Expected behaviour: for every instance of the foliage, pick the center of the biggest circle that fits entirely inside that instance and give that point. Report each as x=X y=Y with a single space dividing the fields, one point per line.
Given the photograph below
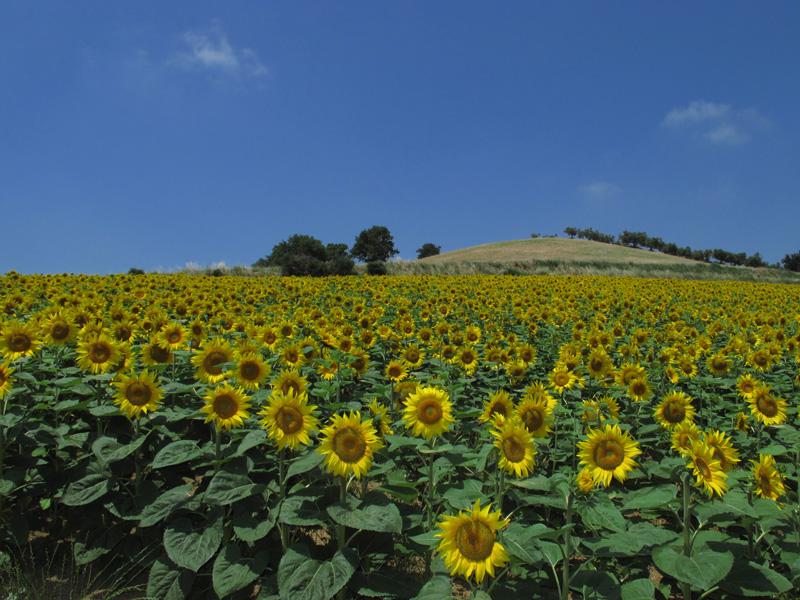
x=375 y=244
x=376 y=268
x=304 y=255
x=135 y=271
x=428 y=249
x=791 y=262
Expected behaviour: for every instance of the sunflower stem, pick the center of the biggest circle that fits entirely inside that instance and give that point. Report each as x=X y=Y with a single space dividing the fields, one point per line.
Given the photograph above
x=758 y=438
x=217 y=447
x=429 y=506
x=687 y=538
x=282 y=529
x=567 y=549
x=137 y=429
x=340 y=531
x=749 y=529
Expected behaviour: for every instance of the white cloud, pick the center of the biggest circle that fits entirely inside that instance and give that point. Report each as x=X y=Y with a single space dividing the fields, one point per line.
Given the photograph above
x=697 y=110
x=213 y=53
x=599 y=190
x=726 y=134
x=716 y=123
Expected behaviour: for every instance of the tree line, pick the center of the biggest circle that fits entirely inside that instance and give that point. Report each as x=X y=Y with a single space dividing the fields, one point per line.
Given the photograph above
x=304 y=255
x=640 y=239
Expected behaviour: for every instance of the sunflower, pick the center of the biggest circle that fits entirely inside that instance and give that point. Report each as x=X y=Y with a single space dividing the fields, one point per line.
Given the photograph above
x=561 y=378
x=18 y=340
x=526 y=353
x=413 y=355
x=599 y=364
x=380 y=418
x=584 y=480
x=707 y=470
x=683 y=436
x=499 y=403
x=348 y=445
x=723 y=449
x=538 y=391
x=137 y=394
x=290 y=380
x=6 y=382
x=742 y=422
x=326 y=366
x=769 y=483
x=123 y=330
x=718 y=364
x=268 y=336
x=591 y=411
x=226 y=406
x=173 y=336
x=766 y=408
x=58 y=330
x=628 y=372
x=467 y=359
x=428 y=411
x=469 y=542
x=639 y=390
x=746 y=385
x=359 y=361
x=760 y=359
x=209 y=360
x=251 y=371
x=289 y=419
x=608 y=453
x=675 y=409
x=292 y=355
x=155 y=354
x=611 y=407
x=687 y=366
x=516 y=369
x=672 y=374
x=396 y=371
x=516 y=446
x=99 y=355
x=535 y=413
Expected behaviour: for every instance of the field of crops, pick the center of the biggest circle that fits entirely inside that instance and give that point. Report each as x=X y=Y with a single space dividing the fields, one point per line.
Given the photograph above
x=404 y=437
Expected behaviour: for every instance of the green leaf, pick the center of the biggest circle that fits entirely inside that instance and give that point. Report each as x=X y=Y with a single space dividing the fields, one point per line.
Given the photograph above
x=301 y=509
x=427 y=539
x=401 y=441
x=774 y=449
x=164 y=505
x=606 y=516
x=438 y=588
x=232 y=572
x=377 y=513
x=305 y=463
x=379 y=584
x=638 y=589
x=300 y=577
x=250 y=529
x=169 y=581
x=192 y=548
x=109 y=450
x=518 y=545
x=596 y=584
x=95 y=542
x=702 y=570
x=176 y=453
x=751 y=579
x=227 y=487
x=104 y=411
x=87 y=490
x=551 y=552
x=651 y=497
x=251 y=440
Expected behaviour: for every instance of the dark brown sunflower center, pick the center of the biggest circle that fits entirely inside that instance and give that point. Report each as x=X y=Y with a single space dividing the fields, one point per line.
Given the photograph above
x=138 y=393
x=674 y=412
x=767 y=406
x=173 y=337
x=719 y=364
x=498 y=408
x=99 y=353
x=596 y=365
x=358 y=363
x=747 y=387
x=159 y=354
x=270 y=337
x=533 y=419
x=225 y=406
x=349 y=445
x=429 y=412
x=212 y=361
x=250 y=370
x=412 y=356
x=468 y=358
x=20 y=342
x=123 y=332
x=561 y=379
x=609 y=454
x=289 y=419
x=701 y=465
x=761 y=359
x=59 y=331
x=291 y=355
x=290 y=385
x=475 y=540
x=513 y=449
x=286 y=331
x=719 y=455
x=395 y=371
x=765 y=483
x=639 y=388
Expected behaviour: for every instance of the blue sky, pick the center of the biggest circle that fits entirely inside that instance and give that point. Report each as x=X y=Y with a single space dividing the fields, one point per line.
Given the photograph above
x=158 y=135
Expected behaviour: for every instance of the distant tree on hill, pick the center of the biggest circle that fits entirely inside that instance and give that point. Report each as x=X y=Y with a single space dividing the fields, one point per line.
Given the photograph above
x=427 y=250
x=571 y=232
x=791 y=262
x=375 y=244
x=304 y=255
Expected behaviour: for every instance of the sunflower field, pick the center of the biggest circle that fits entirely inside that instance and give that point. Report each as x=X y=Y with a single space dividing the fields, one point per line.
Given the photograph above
x=409 y=437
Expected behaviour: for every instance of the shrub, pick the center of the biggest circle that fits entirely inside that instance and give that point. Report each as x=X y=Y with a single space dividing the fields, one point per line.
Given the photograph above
x=376 y=267
x=427 y=250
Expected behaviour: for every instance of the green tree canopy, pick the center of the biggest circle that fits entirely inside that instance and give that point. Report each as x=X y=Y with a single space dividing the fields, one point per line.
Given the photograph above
x=375 y=244
x=427 y=250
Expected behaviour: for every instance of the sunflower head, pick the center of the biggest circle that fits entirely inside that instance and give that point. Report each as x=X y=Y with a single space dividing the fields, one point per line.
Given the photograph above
x=98 y=355
x=18 y=339
x=428 y=411
x=708 y=472
x=535 y=414
x=251 y=371
x=469 y=542
x=608 y=453
x=499 y=403
x=766 y=478
x=137 y=394
x=516 y=447
x=675 y=409
x=766 y=408
x=289 y=419
x=348 y=445
x=226 y=406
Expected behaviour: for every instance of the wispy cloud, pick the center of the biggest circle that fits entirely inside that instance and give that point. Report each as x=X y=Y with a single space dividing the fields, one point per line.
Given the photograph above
x=211 y=52
x=599 y=190
x=715 y=123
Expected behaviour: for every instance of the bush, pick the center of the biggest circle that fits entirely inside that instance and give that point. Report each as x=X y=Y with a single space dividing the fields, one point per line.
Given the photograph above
x=791 y=262
x=427 y=250
x=375 y=244
x=344 y=265
x=377 y=267
x=135 y=271
x=303 y=265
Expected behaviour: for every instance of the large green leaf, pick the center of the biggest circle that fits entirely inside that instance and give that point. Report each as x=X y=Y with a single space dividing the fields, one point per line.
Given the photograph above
x=651 y=497
x=606 y=516
x=86 y=490
x=164 y=505
x=305 y=463
x=597 y=585
x=109 y=450
x=168 y=581
x=232 y=571
x=438 y=588
x=176 y=453
x=251 y=529
x=300 y=577
x=703 y=569
x=191 y=548
x=376 y=513
x=94 y=542
x=381 y=584
x=227 y=487
x=301 y=509
x=638 y=589
x=251 y=440
x=751 y=579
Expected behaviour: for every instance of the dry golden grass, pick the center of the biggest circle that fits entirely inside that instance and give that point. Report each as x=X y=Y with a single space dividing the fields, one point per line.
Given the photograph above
x=556 y=249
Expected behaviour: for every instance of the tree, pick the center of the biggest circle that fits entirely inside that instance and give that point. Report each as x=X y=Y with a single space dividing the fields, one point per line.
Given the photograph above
x=375 y=244
x=300 y=255
x=571 y=232
x=791 y=262
x=427 y=250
